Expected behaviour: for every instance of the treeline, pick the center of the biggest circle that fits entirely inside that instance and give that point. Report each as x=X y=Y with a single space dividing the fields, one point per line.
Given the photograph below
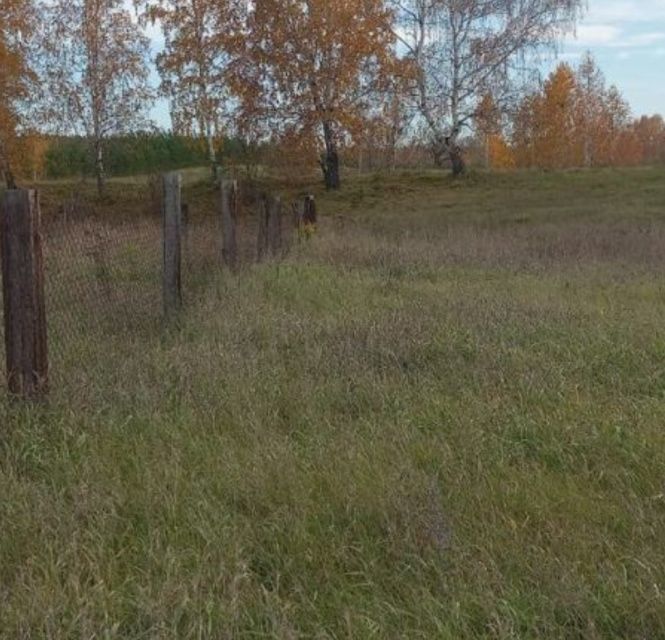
x=311 y=77
x=574 y=120
x=142 y=152
x=312 y=82
x=125 y=155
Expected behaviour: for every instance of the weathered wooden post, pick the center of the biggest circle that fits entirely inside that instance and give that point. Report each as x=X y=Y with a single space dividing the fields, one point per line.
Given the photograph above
x=229 y=191
x=304 y=216
x=297 y=210
x=171 y=214
x=275 y=226
x=184 y=231
x=23 y=294
x=309 y=216
x=263 y=231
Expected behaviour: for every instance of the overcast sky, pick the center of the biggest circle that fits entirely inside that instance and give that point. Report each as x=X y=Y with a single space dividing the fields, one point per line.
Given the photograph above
x=627 y=37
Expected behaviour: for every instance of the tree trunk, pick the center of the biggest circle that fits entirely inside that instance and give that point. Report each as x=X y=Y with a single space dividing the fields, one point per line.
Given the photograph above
x=10 y=181
x=330 y=159
x=212 y=155
x=99 y=167
x=438 y=155
x=6 y=173
x=456 y=159
x=448 y=149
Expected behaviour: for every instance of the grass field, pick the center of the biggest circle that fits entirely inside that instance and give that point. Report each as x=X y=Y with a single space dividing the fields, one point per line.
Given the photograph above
x=443 y=417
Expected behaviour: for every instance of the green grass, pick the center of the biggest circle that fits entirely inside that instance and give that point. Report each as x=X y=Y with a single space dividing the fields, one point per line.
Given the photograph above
x=441 y=418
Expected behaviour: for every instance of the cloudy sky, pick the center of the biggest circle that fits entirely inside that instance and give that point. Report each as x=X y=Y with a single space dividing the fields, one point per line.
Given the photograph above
x=627 y=37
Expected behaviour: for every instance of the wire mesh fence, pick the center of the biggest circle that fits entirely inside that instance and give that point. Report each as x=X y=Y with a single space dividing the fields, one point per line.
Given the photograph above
x=100 y=277
x=104 y=274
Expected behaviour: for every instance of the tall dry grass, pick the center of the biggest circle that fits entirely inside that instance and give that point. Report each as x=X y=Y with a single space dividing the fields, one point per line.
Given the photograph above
x=441 y=417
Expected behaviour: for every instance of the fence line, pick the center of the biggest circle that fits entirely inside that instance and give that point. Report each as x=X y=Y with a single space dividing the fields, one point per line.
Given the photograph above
x=80 y=278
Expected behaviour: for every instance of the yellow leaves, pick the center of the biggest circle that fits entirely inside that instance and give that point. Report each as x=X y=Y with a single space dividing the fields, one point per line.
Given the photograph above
x=500 y=153
x=15 y=23
x=553 y=120
x=310 y=61
x=650 y=137
x=28 y=155
x=574 y=121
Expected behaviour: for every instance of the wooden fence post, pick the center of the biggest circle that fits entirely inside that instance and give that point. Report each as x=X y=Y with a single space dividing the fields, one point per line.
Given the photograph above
x=275 y=226
x=171 y=213
x=297 y=210
x=304 y=216
x=23 y=294
x=270 y=227
x=309 y=217
x=229 y=193
x=184 y=228
x=263 y=232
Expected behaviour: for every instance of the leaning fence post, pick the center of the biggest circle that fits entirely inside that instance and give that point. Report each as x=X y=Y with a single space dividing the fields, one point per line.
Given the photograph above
x=229 y=191
x=172 y=213
x=23 y=294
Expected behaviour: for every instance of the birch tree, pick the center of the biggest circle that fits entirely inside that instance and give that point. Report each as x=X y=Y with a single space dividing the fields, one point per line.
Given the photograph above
x=193 y=66
x=95 y=71
x=308 y=69
x=464 y=49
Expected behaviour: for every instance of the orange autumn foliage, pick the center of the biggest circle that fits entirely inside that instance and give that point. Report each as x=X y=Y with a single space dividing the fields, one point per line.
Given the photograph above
x=31 y=149
x=575 y=121
x=16 y=22
x=308 y=68
x=544 y=126
x=500 y=153
x=649 y=133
